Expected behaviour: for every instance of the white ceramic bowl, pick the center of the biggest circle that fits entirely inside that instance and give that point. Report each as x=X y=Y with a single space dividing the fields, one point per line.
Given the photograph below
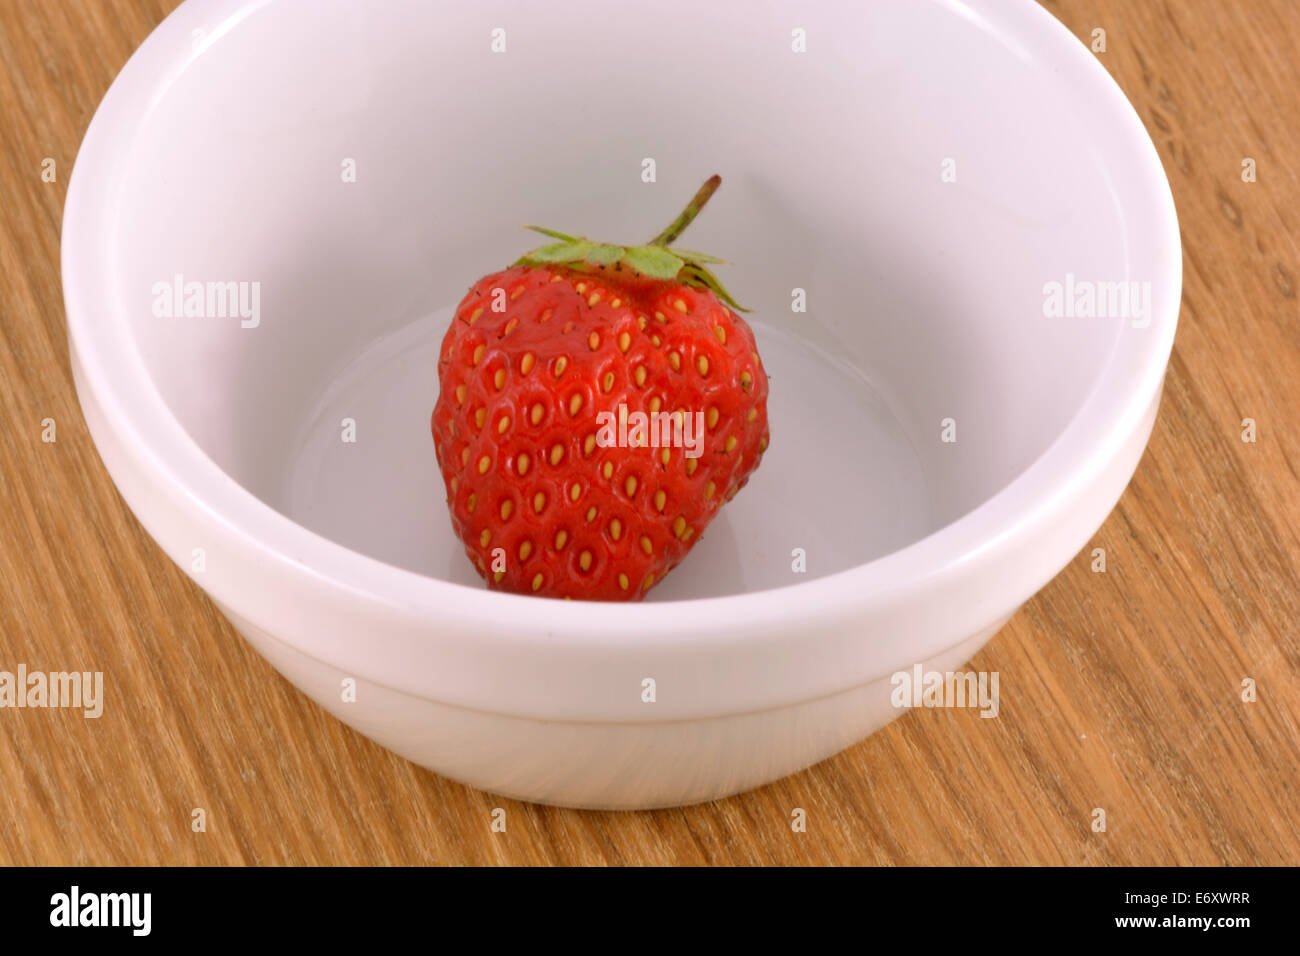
x=223 y=153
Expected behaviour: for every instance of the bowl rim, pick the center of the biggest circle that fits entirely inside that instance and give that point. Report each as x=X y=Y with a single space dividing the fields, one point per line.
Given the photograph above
x=110 y=367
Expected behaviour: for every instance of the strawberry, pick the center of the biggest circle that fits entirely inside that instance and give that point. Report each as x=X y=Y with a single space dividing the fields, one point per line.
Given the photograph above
x=598 y=404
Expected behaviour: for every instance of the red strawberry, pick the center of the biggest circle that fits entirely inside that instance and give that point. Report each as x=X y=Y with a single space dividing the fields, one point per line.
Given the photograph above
x=542 y=364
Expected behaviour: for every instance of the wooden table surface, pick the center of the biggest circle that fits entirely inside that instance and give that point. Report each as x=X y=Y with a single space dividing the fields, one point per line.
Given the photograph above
x=1128 y=683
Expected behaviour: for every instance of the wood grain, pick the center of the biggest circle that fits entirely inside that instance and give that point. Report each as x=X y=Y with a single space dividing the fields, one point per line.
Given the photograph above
x=1120 y=690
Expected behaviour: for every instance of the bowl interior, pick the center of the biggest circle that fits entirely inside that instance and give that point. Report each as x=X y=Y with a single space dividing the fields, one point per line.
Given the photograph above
x=920 y=176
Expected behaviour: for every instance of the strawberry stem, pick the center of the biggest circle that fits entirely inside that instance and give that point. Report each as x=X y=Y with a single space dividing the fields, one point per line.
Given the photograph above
x=678 y=225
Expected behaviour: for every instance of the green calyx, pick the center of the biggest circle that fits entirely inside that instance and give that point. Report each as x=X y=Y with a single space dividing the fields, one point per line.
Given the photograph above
x=653 y=260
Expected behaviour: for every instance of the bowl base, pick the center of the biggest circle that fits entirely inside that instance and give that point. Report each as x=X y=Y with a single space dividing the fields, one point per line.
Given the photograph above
x=841 y=480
